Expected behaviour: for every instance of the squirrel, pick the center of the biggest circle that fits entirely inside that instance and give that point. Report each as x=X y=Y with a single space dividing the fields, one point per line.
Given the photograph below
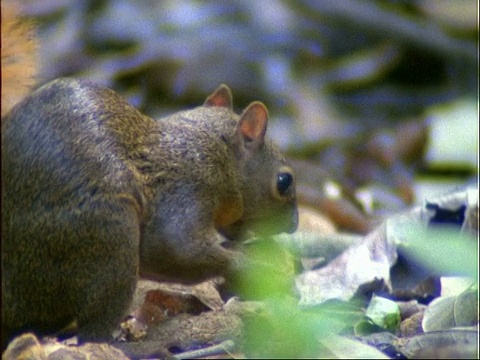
x=96 y=194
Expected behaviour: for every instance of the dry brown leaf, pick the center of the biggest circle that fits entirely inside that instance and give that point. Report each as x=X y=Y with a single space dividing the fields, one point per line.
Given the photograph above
x=360 y=264
x=28 y=346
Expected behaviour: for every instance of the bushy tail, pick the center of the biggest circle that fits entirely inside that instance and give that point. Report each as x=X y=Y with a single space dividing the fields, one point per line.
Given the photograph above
x=19 y=55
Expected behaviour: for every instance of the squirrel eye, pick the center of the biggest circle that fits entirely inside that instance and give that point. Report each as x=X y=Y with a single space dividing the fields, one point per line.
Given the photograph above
x=284 y=182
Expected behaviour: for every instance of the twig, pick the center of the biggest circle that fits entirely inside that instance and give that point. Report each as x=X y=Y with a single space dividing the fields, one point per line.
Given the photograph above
x=223 y=347
x=420 y=32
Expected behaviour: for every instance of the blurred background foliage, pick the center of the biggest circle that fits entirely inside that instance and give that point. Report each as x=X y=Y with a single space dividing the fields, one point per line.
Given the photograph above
x=350 y=85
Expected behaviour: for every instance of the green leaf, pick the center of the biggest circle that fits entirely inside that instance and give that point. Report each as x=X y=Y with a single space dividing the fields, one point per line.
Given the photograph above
x=453 y=311
x=443 y=250
x=384 y=313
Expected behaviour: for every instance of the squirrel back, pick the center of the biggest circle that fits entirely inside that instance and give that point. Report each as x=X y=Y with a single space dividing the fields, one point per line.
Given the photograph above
x=94 y=193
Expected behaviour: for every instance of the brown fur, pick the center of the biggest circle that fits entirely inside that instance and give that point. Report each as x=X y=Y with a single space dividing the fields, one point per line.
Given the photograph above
x=94 y=193
x=19 y=56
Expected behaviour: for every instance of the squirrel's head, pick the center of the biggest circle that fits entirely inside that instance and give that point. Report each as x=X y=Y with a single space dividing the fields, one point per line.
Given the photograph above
x=269 y=197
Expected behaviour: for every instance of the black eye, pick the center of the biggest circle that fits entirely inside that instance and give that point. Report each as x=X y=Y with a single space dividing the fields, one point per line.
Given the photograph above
x=284 y=182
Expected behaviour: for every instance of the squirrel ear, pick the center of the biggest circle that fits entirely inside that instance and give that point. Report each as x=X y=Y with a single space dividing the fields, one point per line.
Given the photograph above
x=221 y=97
x=253 y=124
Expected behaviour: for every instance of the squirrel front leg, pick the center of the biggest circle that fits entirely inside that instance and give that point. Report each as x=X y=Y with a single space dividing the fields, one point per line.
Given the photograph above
x=202 y=257
x=181 y=243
